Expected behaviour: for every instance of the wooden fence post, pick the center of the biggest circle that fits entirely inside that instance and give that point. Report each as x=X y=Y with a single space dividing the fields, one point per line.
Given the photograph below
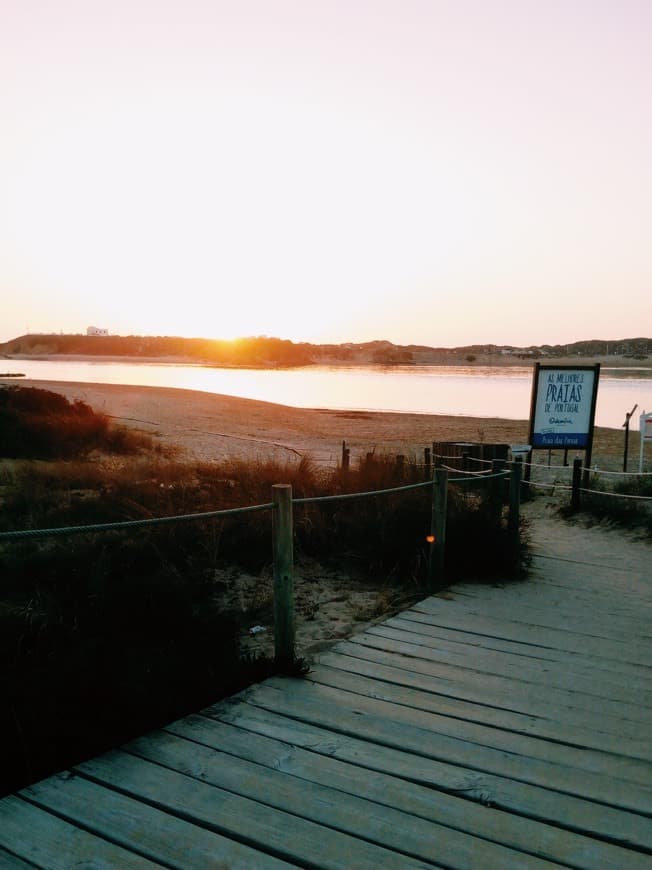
x=496 y=486
x=577 y=478
x=513 y=520
x=438 y=528
x=346 y=455
x=426 y=463
x=283 y=574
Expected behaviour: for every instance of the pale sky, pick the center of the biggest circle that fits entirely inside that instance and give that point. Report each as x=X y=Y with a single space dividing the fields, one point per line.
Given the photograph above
x=442 y=172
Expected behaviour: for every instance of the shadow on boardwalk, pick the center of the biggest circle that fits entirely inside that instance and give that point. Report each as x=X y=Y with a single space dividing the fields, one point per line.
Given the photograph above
x=486 y=727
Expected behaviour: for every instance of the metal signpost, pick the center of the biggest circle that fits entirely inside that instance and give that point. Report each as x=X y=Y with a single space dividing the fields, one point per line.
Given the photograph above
x=626 y=425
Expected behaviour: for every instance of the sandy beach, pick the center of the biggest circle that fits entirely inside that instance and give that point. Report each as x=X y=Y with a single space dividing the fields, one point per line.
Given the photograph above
x=213 y=427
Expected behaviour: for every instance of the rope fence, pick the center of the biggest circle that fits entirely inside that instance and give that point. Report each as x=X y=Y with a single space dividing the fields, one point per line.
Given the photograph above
x=437 y=478
x=467 y=458
x=565 y=478
x=593 y=470
x=596 y=470
x=461 y=471
x=348 y=495
x=540 y=485
x=283 y=533
x=615 y=494
x=589 y=476
x=127 y=525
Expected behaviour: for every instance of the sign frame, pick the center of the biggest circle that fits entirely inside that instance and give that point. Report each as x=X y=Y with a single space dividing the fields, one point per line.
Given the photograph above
x=645 y=426
x=557 y=439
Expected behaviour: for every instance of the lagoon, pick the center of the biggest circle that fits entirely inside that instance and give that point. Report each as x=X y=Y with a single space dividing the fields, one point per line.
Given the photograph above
x=478 y=391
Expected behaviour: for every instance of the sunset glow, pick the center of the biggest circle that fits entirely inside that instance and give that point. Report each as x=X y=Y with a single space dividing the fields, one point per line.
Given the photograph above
x=429 y=172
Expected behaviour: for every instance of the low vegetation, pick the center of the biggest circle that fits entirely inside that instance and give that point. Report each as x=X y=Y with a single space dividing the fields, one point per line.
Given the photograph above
x=626 y=503
x=39 y=424
x=103 y=636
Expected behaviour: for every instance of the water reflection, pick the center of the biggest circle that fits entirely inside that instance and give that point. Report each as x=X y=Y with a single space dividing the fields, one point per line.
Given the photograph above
x=634 y=372
x=481 y=391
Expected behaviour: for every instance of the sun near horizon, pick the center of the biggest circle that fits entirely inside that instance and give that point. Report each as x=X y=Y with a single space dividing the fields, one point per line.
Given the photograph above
x=434 y=174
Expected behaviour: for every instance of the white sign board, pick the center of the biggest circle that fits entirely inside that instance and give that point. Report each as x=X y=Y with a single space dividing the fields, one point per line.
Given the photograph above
x=563 y=406
x=646 y=426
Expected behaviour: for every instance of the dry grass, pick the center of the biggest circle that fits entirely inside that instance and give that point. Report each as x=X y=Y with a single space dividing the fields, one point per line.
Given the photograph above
x=41 y=424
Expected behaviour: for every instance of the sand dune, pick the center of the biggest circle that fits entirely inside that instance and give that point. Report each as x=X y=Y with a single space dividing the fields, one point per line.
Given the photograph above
x=209 y=426
x=215 y=427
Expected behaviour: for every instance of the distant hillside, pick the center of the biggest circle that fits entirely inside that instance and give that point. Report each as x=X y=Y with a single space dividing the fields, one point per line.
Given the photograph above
x=243 y=352
x=263 y=351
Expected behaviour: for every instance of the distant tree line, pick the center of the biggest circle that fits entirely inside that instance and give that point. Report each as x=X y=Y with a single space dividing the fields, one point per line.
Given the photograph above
x=257 y=351
x=265 y=351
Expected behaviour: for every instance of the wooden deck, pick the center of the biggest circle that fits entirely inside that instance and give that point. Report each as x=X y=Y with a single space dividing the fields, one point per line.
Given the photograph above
x=488 y=727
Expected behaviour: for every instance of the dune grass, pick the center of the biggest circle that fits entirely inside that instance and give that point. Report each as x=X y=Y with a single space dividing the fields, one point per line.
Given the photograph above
x=604 y=504
x=105 y=636
x=40 y=424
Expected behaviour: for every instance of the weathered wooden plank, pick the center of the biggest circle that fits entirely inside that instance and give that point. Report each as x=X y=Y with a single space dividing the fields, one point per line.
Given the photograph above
x=419 y=732
x=580 y=697
x=377 y=823
x=541 y=599
x=282 y=834
x=614 y=595
x=451 y=613
x=547 y=606
x=567 y=812
x=507 y=739
x=45 y=840
x=556 y=614
x=461 y=683
x=590 y=681
x=136 y=826
x=550 y=613
x=12 y=862
x=593 y=551
x=537 y=592
x=392 y=750
x=598 y=568
x=476 y=645
x=422 y=622
x=493 y=690
x=544 y=617
x=551 y=843
x=636 y=652
x=476 y=711
x=559 y=579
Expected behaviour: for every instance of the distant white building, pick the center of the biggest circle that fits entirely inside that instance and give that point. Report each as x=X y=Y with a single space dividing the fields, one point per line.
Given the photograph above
x=95 y=330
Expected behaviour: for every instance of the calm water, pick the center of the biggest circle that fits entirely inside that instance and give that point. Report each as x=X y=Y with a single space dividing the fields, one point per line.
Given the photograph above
x=469 y=391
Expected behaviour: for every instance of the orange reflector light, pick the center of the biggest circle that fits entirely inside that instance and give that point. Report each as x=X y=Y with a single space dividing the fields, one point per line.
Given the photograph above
x=430 y=539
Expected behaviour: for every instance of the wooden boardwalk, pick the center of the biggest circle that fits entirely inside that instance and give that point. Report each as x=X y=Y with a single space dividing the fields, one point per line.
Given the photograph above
x=487 y=727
